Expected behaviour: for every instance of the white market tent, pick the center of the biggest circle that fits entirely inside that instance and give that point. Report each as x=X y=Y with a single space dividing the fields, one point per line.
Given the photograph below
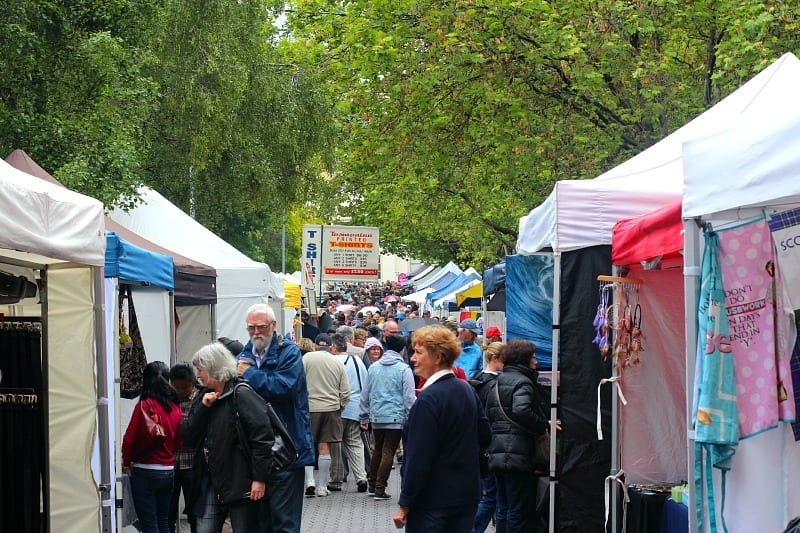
x=580 y=214
x=449 y=268
x=58 y=235
x=762 y=157
x=241 y=281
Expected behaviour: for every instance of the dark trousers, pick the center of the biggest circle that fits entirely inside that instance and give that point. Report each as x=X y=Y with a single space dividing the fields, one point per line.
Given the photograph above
x=183 y=482
x=446 y=520
x=152 y=490
x=386 y=442
x=282 y=512
x=516 y=502
x=487 y=507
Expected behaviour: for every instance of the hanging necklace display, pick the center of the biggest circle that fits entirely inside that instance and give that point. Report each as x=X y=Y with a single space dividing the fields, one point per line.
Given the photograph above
x=621 y=332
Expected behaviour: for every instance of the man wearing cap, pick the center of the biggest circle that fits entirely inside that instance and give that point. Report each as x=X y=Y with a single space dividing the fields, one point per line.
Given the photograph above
x=323 y=342
x=273 y=365
x=471 y=358
x=493 y=334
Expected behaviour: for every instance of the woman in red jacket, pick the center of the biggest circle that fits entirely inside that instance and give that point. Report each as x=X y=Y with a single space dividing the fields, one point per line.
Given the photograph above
x=151 y=471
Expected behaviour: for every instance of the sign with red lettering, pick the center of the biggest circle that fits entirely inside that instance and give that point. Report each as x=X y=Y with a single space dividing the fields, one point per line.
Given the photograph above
x=342 y=253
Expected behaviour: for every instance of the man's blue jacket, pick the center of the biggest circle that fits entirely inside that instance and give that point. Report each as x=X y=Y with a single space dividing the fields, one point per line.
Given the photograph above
x=281 y=381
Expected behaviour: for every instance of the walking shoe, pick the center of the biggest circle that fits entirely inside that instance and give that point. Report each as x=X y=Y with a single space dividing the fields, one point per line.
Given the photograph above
x=310 y=488
x=322 y=491
x=362 y=486
x=382 y=496
x=371 y=490
x=334 y=487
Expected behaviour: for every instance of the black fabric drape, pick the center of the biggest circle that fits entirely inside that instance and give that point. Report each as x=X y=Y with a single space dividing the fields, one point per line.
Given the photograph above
x=22 y=450
x=585 y=460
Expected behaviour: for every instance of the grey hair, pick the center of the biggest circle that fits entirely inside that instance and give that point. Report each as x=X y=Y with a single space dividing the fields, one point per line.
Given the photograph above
x=261 y=308
x=346 y=331
x=339 y=341
x=216 y=360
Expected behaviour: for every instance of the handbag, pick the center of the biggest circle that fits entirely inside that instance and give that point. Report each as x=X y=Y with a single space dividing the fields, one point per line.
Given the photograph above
x=541 y=455
x=151 y=435
x=284 y=452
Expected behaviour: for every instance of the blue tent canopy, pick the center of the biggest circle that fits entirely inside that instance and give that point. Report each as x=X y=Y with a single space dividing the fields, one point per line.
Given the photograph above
x=494 y=278
x=454 y=285
x=128 y=262
x=443 y=281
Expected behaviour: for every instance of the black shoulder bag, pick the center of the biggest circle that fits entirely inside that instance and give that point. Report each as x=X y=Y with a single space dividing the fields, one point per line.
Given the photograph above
x=284 y=453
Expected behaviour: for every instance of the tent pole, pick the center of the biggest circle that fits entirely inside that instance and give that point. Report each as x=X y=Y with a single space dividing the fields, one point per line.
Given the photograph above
x=614 y=438
x=691 y=287
x=173 y=349
x=107 y=503
x=554 y=386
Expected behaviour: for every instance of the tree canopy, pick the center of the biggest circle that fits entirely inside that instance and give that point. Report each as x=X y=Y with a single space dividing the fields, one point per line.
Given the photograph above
x=460 y=116
x=440 y=122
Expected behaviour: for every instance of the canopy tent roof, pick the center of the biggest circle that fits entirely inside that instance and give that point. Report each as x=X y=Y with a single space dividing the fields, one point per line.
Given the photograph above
x=128 y=262
x=241 y=281
x=426 y=274
x=441 y=301
x=417 y=297
x=644 y=238
x=422 y=267
x=654 y=177
x=455 y=284
x=470 y=296
x=430 y=281
x=48 y=220
x=764 y=155
x=494 y=278
x=418 y=273
x=194 y=282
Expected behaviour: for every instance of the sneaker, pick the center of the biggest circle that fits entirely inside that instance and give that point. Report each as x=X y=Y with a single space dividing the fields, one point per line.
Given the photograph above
x=371 y=490
x=310 y=488
x=383 y=496
x=334 y=487
x=362 y=486
x=322 y=491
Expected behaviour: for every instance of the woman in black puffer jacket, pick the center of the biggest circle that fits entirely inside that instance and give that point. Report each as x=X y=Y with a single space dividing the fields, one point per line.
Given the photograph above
x=512 y=451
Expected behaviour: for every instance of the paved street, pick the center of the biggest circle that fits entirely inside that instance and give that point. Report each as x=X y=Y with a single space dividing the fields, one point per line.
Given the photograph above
x=352 y=511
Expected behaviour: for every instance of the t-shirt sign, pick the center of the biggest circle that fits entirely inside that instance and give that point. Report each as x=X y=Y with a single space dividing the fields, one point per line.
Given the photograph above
x=342 y=253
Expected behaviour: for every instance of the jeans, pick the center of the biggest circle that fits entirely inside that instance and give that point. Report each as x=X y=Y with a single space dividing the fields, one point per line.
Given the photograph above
x=487 y=507
x=282 y=512
x=386 y=442
x=516 y=502
x=244 y=515
x=183 y=481
x=444 y=520
x=152 y=490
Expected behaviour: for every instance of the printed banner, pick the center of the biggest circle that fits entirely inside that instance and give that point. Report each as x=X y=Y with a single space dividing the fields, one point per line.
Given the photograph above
x=748 y=271
x=785 y=228
x=342 y=253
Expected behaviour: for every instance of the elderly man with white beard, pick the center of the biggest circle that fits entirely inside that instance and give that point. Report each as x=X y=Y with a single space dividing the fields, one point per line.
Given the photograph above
x=273 y=365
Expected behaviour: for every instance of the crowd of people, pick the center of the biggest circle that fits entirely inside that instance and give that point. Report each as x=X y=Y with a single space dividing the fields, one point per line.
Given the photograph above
x=356 y=392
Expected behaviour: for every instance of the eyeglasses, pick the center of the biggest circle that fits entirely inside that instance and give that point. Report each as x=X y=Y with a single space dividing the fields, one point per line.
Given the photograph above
x=260 y=327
